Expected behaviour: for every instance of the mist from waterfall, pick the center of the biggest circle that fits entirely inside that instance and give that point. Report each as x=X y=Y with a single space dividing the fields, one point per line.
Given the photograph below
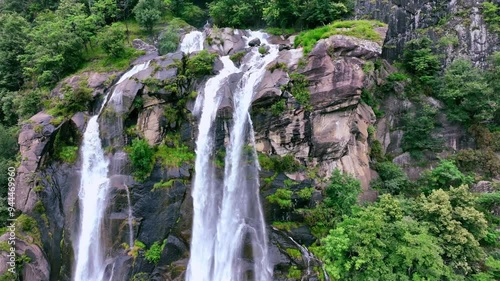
x=227 y=213
x=94 y=189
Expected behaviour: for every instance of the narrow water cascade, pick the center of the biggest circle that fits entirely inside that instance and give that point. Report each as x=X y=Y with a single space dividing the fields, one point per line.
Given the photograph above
x=94 y=188
x=130 y=225
x=192 y=42
x=241 y=211
x=206 y=191
x=227 y=214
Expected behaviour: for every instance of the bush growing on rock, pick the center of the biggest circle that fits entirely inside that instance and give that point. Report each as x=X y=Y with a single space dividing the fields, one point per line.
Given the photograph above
x=282 y=197
x=201 y=64
x=153 y=254
x=141 y=156
x=358 y=28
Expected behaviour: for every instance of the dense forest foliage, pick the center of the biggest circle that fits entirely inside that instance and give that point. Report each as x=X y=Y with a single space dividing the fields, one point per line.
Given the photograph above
x=433 y=228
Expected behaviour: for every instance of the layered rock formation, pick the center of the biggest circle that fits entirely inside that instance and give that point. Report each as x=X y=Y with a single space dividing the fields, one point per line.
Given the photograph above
x=457 y=27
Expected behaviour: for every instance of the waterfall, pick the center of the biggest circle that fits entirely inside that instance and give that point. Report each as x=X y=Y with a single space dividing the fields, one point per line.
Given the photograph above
x=241 y=211
x=130 y=226
x=192 y=42
x=205 y=193
x=226 y=216
x=94 y=187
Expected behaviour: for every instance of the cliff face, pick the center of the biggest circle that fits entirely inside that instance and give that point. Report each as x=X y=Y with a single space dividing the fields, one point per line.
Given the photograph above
x=330 y=131
x=457 y=27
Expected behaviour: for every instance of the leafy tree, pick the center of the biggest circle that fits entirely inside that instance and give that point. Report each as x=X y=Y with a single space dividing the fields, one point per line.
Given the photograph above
x=28 y=8
x=418 y=128
x=52 y=51
x=148 y=13
x=28 y=103
x=379 y=243
x=468 y=97
x=235 y=13
x=77 y=21
x=342 y=193
x=141 y=156
x=193 y=14
x=491 y=15
x=419 y=60
x=444 y=176
x=106 y=10
x=283 y=13
x=13 y=38
x=392 y=179
x=458 y=226
x=8 y=150
x=168 y=41
x=111 y=40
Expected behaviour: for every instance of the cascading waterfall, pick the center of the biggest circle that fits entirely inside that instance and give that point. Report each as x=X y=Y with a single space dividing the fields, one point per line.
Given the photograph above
x=241 y=211
x=192 y=42
x=220 y=227
x=130 y=226
x=94 y=187
x=205 y=193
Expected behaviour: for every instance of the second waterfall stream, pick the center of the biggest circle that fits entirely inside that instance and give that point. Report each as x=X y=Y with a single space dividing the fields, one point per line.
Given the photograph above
x=227 y=212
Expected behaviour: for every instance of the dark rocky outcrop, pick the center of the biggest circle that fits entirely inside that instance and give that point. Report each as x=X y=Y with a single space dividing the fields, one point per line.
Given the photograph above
x=460 y=20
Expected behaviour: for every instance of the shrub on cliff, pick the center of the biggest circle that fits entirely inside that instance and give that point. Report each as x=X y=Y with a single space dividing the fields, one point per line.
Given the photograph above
x=358 y=28
x=141 y=156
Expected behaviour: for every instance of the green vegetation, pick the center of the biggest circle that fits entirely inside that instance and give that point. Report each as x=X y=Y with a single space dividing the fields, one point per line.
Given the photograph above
x=29 y=226
x=262 y=50
x=278 y=65
x=163 y=184
x=237 y=57
x=306 y=193
x=468 y=95
x=134 y=251
x=74 y=100
x=278 y=107
x=174 y=156
x=286 y=225
x=278 y=13
x=201 y=64
x=168 y=41
x=392 y=179
x=282 y=197
x=491 y=15
x=148 y=13
x=419 y=60
x=294 y=273
x=444 y=176
x=298 y=87
x=418 y=128
x=294 y=253
x=111 y=40
x=141 y=156
x=153 y=254
x=278 y=164
x=358 y=28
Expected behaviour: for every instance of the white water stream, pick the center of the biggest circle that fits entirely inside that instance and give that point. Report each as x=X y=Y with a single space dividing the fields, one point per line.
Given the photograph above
x=94 y=188
x=228 y=214
x=192 y=42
